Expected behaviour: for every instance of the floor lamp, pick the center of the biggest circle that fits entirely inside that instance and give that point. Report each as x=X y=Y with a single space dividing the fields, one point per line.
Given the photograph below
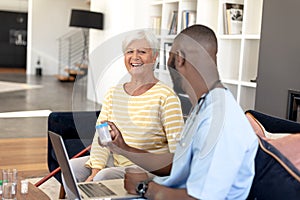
x=85 y=20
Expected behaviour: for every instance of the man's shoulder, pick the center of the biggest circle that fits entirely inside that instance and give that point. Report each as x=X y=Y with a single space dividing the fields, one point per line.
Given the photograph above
x=228 y=113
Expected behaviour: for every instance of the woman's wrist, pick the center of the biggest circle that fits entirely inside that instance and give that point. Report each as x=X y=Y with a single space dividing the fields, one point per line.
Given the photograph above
x=94 y=171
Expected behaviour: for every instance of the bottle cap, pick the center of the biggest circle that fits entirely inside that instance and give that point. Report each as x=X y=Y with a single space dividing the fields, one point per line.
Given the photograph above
x=102 y=125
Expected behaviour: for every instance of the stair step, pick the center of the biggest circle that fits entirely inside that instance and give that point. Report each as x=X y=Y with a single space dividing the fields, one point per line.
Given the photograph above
x=81 y=66
x=74 y=72
x=63 y=78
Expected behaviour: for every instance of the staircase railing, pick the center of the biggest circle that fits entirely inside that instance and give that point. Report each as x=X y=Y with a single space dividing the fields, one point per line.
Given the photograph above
x=72 y=49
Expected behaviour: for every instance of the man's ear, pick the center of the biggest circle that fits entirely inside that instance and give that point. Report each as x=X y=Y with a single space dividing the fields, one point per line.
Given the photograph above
x=180 y=58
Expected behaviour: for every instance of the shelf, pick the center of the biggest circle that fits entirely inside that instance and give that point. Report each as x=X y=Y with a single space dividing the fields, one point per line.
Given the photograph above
x=248 y=84
x=237 y=53
x=233 y=89
x=250 y=60
x=171 y=1
x=155 y=3
x=252 y=37
x=230 y=37
x=247 y=98
x=169 y=37
x=239 y=37
x=236 y=82
x=228 y=58
x=228 y=81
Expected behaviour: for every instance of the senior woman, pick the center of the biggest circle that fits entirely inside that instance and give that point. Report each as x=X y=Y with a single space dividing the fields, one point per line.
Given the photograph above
x=147 y=112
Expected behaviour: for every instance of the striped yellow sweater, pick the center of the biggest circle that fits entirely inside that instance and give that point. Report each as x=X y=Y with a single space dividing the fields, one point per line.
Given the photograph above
x=150 y=121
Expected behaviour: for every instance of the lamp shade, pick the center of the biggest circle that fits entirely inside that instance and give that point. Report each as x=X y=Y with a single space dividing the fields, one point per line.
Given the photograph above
x=86 y=19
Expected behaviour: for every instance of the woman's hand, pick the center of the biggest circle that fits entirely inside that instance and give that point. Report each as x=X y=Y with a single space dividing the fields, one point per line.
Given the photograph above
x=93 y=174
x=118 y=144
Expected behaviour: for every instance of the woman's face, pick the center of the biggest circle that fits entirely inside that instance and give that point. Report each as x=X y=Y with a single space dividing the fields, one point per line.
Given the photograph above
x=138 y=58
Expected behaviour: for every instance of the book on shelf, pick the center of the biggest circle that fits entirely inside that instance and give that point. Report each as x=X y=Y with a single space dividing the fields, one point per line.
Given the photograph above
x=233 y=18
x=173 y=23
x=156 y=24
x=188 y=18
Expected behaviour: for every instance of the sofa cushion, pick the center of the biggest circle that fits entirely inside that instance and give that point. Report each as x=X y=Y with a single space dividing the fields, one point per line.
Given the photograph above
x=284 y=147
x=276 y=176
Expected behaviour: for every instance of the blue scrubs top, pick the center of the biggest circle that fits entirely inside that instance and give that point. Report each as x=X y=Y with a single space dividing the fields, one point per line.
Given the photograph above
x=214 y=158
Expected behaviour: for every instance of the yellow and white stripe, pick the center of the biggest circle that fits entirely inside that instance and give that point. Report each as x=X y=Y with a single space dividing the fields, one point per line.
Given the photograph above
x=150 y=121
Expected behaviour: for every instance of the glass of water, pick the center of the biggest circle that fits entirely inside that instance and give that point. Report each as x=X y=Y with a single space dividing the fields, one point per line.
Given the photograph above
x=9 y=184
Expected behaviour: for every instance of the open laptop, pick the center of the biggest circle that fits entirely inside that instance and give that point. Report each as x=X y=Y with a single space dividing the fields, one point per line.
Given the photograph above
x=107 y=189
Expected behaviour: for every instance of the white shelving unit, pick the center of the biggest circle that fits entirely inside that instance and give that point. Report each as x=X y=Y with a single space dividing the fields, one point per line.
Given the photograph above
x=237 y=54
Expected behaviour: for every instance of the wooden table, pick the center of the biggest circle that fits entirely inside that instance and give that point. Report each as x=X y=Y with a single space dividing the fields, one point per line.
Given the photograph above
x=34 y=193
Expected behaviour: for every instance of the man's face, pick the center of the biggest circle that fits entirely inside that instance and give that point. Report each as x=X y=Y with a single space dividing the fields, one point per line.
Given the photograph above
x=175 y=75
x=139 y=58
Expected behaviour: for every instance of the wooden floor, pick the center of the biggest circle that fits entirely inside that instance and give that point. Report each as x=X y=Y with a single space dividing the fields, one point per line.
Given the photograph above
x=27 y=155
x=23 y=140
x=12 y=70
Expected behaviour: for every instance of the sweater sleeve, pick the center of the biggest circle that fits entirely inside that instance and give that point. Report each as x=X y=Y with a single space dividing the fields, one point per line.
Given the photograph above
x=172 y=120
x=99 y=155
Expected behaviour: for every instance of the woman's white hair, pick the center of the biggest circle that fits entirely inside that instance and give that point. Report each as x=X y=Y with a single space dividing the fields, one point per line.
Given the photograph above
x=139 y=35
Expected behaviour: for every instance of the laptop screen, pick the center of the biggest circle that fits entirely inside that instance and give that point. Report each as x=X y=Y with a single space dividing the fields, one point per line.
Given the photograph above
x=111 y=189
x=63 y=160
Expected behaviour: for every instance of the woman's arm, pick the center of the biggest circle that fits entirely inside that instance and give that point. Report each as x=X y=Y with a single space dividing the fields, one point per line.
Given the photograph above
x=172 y=120
x=158 y=164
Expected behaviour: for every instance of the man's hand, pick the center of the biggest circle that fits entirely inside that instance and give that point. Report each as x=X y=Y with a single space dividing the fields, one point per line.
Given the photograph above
x=159 y=164
x=118 y=143
x=132 y=177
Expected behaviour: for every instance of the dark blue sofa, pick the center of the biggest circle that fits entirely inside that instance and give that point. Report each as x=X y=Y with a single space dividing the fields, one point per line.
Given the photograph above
x=271 y=180
x=77 y=130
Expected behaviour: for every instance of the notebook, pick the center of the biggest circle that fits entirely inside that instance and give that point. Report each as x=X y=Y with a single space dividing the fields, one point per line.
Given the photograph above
x=107 y=189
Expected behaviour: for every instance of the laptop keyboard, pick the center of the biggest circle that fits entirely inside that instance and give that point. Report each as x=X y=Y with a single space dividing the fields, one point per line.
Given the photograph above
x=95 y=190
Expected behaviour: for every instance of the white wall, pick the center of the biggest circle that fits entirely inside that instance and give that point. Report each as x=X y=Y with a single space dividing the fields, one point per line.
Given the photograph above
x=47 y=21
x=14 y=5
x=106 y=60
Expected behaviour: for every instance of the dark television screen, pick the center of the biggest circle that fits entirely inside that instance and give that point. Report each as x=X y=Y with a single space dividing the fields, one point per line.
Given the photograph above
x=86 y=19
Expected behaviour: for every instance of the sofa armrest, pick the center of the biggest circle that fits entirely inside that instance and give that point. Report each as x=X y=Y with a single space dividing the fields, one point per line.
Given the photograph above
x=274 y=124
x=276 y=176
x=77 y=130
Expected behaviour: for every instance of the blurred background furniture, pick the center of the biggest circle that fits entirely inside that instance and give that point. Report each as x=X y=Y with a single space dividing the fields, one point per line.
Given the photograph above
x=74 y=47
x=77 y=130
x=277 y=174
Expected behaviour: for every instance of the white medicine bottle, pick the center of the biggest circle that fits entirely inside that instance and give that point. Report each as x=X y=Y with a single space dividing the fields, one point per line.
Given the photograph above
x=103 y=132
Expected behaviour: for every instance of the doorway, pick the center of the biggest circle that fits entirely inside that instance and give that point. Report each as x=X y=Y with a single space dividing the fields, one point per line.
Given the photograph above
x=13 y=41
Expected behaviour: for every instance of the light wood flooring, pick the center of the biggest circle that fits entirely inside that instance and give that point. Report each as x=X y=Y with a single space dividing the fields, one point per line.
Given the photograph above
x=23 y=141
x=27 y=155
x=12 y=70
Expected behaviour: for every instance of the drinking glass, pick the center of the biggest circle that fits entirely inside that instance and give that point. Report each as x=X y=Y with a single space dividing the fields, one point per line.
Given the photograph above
x=9 y=179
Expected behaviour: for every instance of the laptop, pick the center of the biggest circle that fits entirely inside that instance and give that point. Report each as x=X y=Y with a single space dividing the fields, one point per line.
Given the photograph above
x=106 y=189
